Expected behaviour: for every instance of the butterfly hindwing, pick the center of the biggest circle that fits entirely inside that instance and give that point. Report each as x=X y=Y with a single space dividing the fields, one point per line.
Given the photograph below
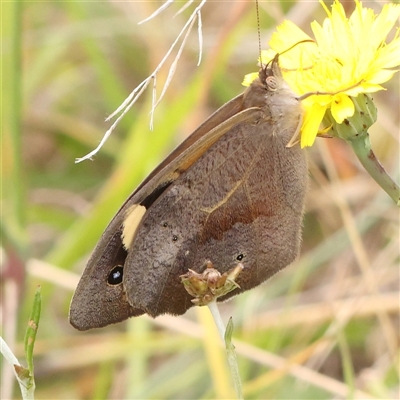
x=230 y=207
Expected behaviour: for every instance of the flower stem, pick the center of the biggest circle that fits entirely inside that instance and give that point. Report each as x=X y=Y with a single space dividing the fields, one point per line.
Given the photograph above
x=362 y=147
x=217 y=318
x=226 y=336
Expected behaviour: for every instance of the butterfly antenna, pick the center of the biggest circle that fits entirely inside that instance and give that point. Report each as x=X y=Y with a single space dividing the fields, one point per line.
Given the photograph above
x=258 y=31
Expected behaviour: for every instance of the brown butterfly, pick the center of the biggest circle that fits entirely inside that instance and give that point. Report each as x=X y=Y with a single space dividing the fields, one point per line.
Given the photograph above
x=231 y=192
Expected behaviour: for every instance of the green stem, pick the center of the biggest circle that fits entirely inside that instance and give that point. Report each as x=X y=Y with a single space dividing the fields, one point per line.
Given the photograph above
x=347 y=364
x=226 y=336
x=362 y=147
x=21 y=373
x=232 y=359
x=217 y=318
x=31 y=330
x=16 y=106
x=13 y=222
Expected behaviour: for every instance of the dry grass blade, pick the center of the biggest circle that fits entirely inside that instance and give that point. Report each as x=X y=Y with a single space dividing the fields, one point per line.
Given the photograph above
x=137 y=92
x=200 y=34
x=157 y=12
x=128 y=103
x=184 y=7
x=171 y=73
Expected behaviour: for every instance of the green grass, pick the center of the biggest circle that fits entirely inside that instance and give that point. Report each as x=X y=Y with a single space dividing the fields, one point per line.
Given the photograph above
x=65 y=67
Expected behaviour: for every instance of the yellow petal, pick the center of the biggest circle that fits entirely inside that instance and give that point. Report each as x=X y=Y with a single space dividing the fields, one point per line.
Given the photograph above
x=342 y=107
x=371 y=88
x=267 y=55
x=287 y=32
x=249 y=78
x=388 y=56
x=381 y=76
x=312 y=120
x=384 y=23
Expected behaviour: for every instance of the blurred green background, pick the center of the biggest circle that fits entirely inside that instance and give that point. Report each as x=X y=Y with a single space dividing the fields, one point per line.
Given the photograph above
x=65 y=67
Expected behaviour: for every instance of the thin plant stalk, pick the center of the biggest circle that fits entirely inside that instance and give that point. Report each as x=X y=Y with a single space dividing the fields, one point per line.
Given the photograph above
x=25 y=376
x=226 y=336
x=12 y=172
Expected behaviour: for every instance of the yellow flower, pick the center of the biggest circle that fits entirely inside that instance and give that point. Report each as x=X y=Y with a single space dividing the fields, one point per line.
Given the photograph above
x=348 y=57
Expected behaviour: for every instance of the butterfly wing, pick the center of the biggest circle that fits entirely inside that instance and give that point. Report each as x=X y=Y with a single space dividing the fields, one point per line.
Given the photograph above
x=99 y=299
x=230 y=192
x=242 y=201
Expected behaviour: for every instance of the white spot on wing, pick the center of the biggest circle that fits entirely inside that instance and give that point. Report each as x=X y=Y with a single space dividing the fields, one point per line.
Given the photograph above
x=131 y=222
